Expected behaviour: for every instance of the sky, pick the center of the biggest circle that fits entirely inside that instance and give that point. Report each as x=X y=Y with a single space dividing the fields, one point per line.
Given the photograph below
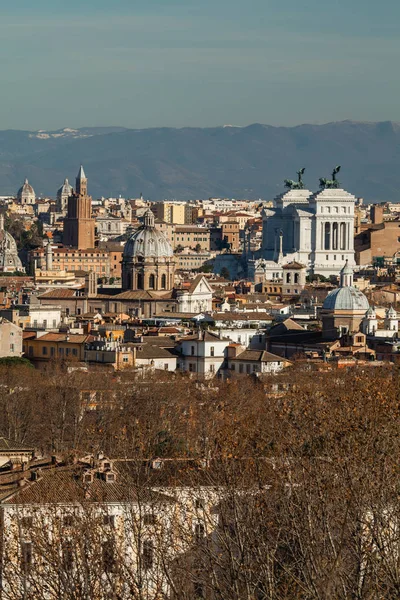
x=186 y=63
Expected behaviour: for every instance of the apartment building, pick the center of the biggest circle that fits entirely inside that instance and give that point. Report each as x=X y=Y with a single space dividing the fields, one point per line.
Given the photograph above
x=191 y=236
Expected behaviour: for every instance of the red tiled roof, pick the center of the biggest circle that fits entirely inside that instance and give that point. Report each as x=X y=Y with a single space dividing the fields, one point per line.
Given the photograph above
x=61 y=293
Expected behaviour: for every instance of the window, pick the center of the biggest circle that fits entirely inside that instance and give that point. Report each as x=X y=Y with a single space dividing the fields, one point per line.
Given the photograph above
x=61 y=351
x=192 y=368
x=199 y=532
x=74 y=352
x=149 y=519
x=67 y=351
x=163 y=281
x=148 y=554
x=212 y=369
x=68 y=520
x=198 y=589
x=212 y=351
x=45 y=323
x=192 y=350
x=125 y=359
x=26 y=522
x=67 y=555
x=12 y=348
x=248 y=369
x=199 y=503
x=26 y=556
x=240 y=368
x=108 y=556
x=152 y=282
x=109 y=520
x=165 y=366
x=44 y=350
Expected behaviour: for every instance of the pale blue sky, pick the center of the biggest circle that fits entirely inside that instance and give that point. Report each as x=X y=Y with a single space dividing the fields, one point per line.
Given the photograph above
x=147 y=63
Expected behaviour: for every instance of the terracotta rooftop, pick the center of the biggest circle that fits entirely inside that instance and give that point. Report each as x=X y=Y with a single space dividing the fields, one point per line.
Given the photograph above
x=259 y=356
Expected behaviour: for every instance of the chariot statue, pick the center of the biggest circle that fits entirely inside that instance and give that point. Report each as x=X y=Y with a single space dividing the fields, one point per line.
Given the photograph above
x=296 y=185
x=330 y=184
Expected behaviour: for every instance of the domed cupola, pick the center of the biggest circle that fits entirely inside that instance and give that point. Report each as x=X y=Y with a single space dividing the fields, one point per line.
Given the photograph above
x=26 y=193
x=9 y=259
x=346 y=296
x=148 y=259
x=344 y=308
x=63 y=193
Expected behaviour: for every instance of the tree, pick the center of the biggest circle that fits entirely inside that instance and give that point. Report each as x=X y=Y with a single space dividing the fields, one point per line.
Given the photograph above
x=225 y=273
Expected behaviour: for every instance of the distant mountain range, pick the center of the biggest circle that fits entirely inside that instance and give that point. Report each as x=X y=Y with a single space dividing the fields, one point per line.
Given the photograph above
x=188 y=163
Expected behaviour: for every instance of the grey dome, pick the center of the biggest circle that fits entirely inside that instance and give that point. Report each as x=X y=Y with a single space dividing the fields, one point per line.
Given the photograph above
x=346 y=298
x=65 y=189
x=9 y=259
x=25 y=190
x=147 y=242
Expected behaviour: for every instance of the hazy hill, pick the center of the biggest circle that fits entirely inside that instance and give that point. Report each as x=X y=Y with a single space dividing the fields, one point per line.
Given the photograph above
x=241 y=162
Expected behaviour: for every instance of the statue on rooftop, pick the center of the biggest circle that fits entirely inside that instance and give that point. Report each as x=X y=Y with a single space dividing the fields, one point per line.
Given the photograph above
x=296 y=185
x=330 y=184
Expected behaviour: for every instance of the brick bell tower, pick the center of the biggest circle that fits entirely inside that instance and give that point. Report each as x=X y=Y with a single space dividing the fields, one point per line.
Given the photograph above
x=79 y=225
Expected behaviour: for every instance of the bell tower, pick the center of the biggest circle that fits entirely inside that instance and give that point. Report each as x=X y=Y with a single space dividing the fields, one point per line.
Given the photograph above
x=79 y=224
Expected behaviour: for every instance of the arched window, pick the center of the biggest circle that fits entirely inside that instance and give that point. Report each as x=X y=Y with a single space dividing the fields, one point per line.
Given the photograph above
x=163 y=281
x=152 y=282
x=140 y=281
x=327 y=241
x=296 y=278
x=288 y=277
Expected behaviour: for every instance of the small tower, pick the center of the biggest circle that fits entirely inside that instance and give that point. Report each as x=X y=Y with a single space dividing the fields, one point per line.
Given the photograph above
x=346 y=276
x=369 y=324
x=391 y=320
x=49 y=256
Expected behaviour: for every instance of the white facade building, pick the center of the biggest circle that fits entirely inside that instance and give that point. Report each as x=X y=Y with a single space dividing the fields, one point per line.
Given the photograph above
x=202 y=354
x=45 y=317
x=314 y=229
x=197 y=298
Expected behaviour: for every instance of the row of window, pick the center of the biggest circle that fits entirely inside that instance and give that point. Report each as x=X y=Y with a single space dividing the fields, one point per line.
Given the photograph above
x=193 y=368
x=193 y=349
x=53 y=351
x=334 y=257
x=109 y=561
x=335 y=209
x=44 y=323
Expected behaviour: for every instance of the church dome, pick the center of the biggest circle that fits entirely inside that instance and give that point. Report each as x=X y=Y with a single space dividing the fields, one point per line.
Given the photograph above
x=346 y=298
x=26 y=191
x=9 y=259
x=147 y=242
x=65 y=190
